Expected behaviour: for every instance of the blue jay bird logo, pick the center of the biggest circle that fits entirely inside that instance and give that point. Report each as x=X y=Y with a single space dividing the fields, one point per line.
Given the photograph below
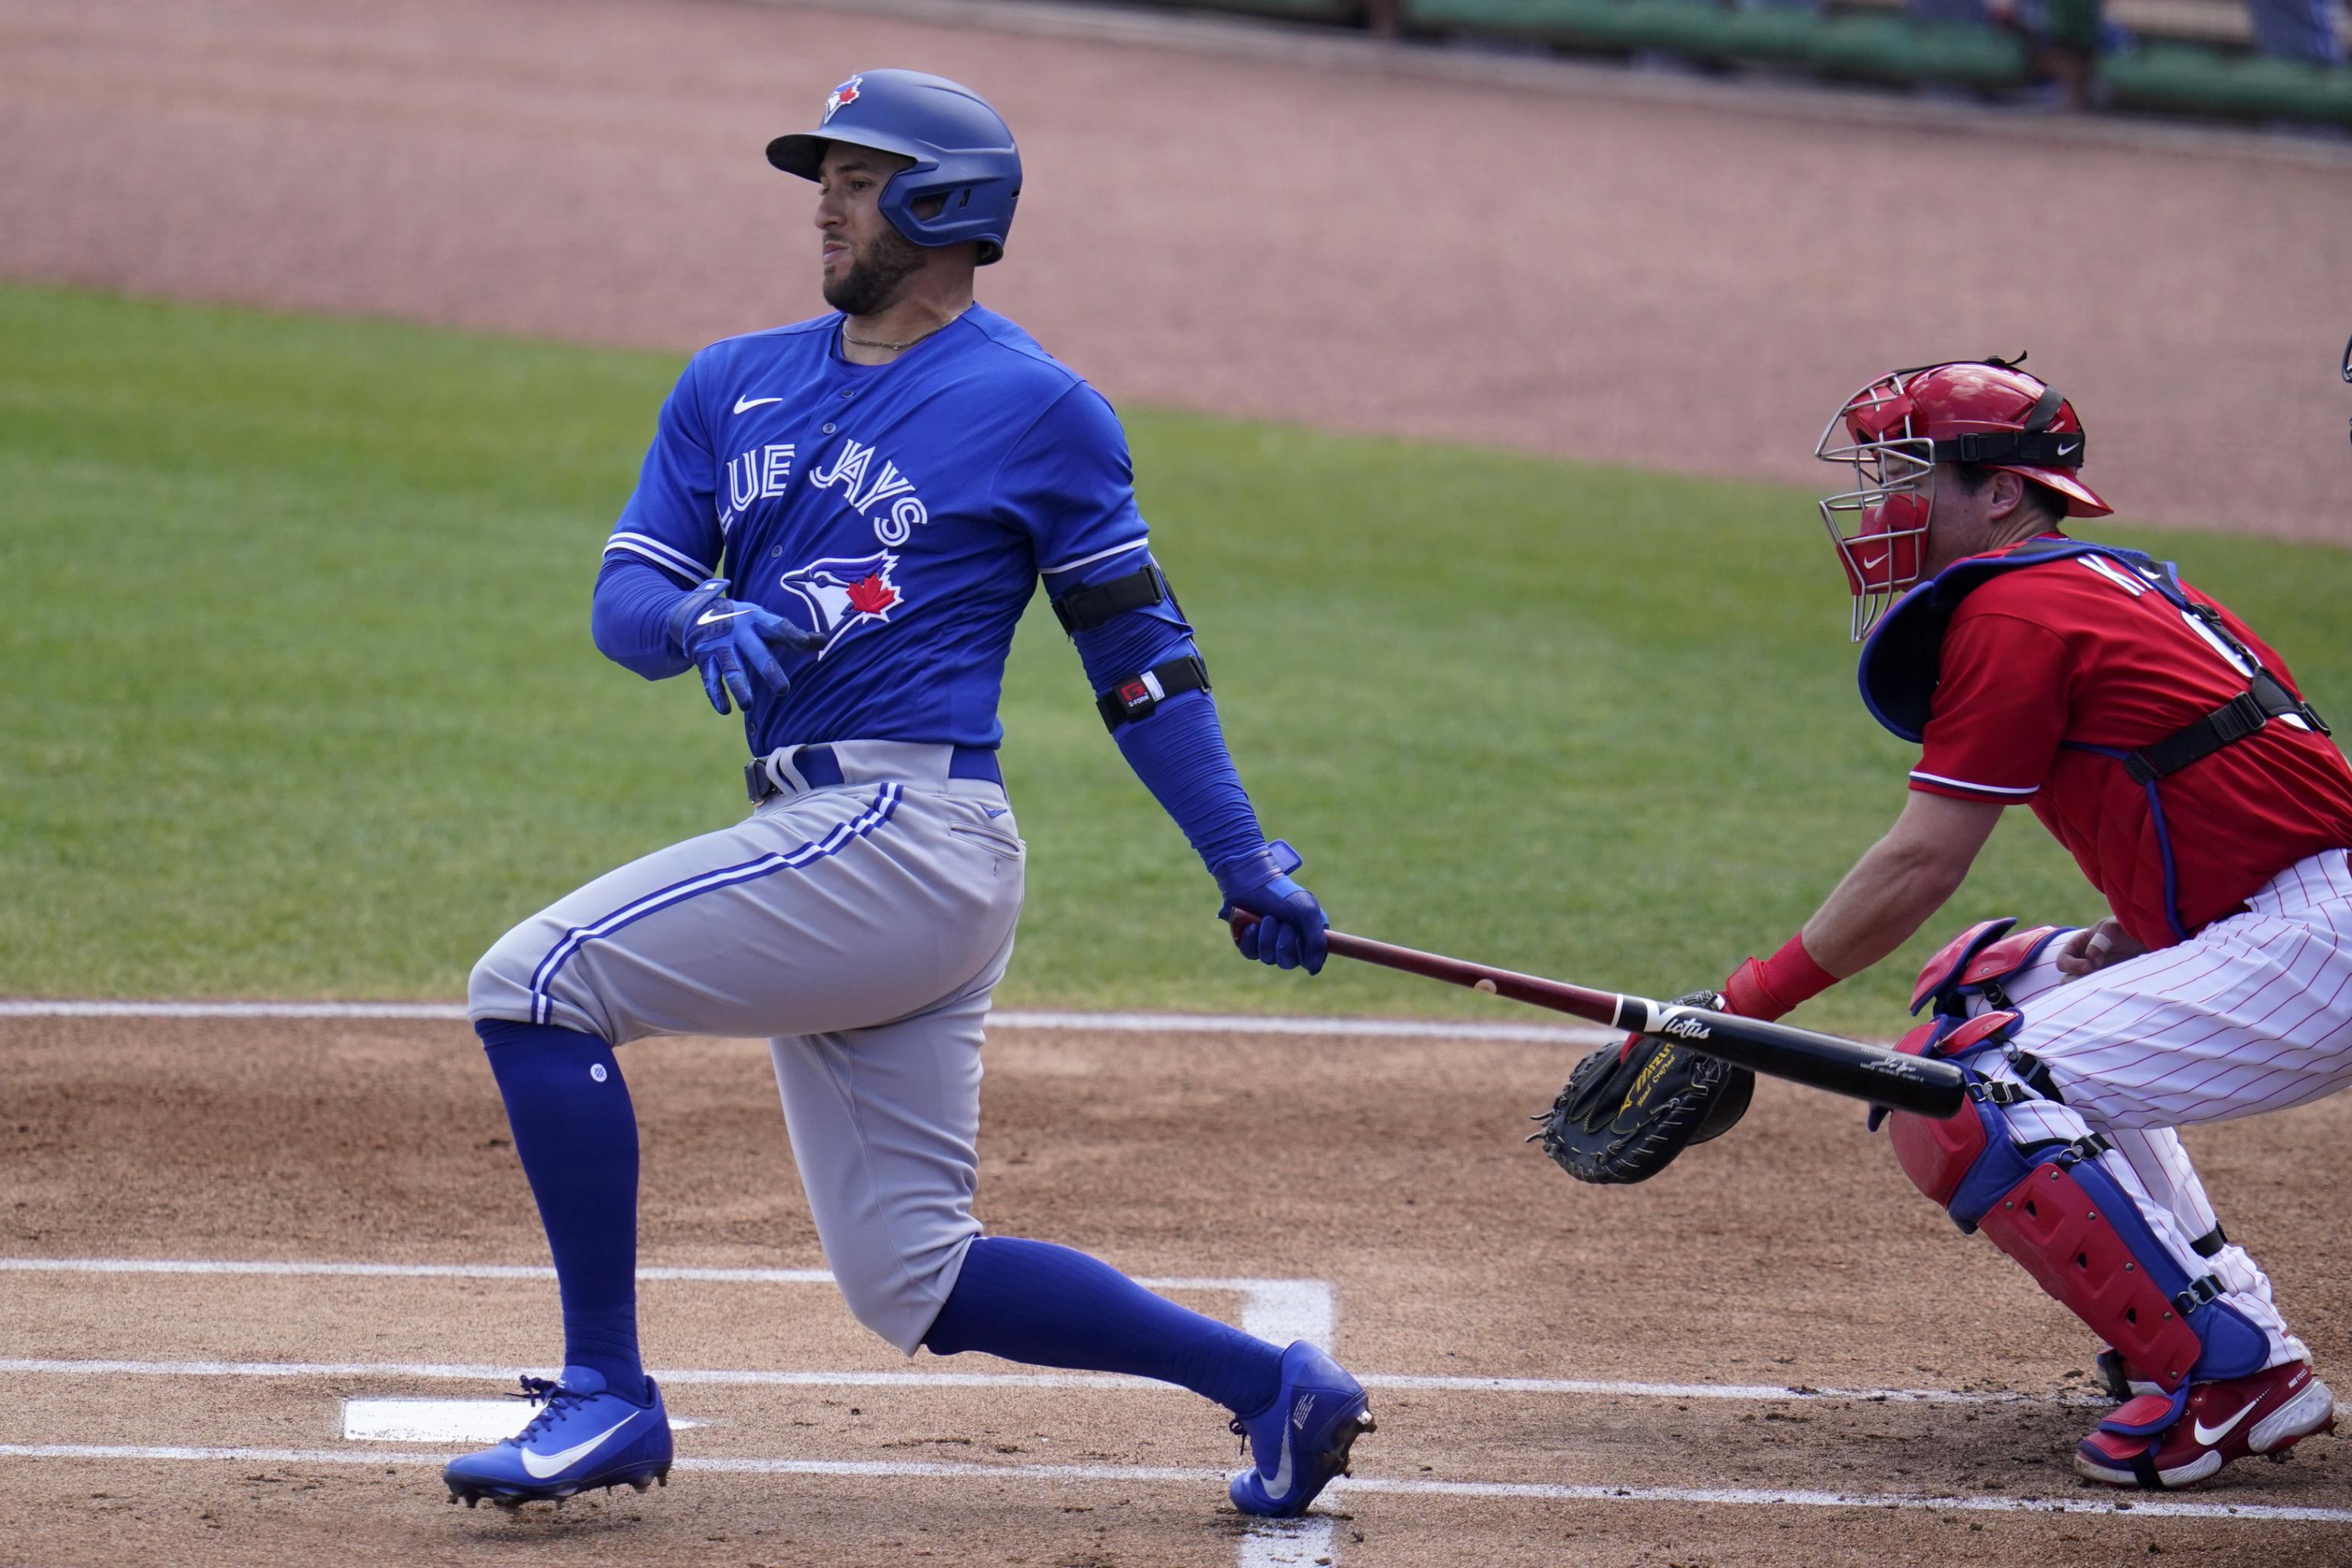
x=843 y=594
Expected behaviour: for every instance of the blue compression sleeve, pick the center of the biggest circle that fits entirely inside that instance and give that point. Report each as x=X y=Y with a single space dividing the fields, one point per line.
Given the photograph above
x=629 y=614
x=1033 y=1301
x=1178 y=751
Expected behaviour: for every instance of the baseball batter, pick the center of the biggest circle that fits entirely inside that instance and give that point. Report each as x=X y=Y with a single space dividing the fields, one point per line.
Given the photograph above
x=2168 y=749
x=837 y=526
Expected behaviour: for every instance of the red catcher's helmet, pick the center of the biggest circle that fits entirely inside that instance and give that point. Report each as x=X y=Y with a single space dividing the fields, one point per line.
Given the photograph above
x=1896 y=429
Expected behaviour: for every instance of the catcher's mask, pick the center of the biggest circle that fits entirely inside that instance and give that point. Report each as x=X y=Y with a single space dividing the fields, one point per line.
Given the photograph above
x=1898 y=427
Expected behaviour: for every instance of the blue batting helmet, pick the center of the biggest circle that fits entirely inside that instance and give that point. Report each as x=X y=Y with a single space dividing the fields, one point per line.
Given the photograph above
x=963 y=153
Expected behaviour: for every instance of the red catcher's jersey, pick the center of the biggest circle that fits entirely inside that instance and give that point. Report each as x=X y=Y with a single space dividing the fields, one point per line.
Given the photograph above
x=2081 y=650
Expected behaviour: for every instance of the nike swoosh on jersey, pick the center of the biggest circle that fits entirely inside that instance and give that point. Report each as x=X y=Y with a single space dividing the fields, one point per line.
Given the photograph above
x=542 y=1466
x=2207 y=1435
x=710 y=616
x=745 y=405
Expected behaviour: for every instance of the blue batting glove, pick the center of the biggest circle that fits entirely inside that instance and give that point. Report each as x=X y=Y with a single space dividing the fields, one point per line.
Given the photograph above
x=731 y=642
x=1290 y=926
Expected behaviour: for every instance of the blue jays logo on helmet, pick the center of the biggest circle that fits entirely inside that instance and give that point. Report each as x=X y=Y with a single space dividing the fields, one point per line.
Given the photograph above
x=845 y=93
x=843 y=594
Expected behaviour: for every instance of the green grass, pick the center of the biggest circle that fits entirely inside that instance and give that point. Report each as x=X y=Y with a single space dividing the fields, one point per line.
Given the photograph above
x=300 y=700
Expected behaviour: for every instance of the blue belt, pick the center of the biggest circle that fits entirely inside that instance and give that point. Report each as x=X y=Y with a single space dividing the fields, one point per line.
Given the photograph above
x=822 y=769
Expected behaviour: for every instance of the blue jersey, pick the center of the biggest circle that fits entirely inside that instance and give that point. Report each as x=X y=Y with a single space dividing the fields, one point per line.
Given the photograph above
x=904 y=511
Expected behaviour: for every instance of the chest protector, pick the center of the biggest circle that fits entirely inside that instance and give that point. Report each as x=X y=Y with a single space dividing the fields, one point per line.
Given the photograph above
x=1901 y=664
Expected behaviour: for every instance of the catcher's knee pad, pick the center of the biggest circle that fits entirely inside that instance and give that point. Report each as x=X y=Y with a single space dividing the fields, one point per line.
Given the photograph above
x=1977 y=970
x=2055 y=1207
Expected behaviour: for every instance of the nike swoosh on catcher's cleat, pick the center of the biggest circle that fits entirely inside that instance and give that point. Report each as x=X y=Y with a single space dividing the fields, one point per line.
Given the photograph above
x=2211 y=1434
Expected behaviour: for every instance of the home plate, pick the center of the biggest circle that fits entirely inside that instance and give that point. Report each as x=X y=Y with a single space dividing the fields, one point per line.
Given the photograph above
x=442 y=1420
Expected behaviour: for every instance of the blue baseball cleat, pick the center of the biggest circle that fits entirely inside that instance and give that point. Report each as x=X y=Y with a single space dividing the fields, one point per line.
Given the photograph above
x=1301 y=1440
x=585 y=1435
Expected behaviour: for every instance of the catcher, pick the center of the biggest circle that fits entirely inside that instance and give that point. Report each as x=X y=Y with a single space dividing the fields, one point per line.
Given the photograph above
x=2170 y=749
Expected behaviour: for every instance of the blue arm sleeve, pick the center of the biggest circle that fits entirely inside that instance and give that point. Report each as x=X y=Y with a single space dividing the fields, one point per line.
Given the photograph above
x=1178 y=750
x=629 y=614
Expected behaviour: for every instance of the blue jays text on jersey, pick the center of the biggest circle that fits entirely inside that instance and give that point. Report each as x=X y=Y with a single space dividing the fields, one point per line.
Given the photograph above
x=904 y=511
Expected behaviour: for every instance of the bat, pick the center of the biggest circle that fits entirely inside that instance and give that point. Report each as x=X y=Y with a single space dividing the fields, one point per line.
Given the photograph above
x=1844 y=1067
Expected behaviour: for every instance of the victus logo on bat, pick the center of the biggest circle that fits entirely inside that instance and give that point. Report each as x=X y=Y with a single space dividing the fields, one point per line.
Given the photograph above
x=845 y=593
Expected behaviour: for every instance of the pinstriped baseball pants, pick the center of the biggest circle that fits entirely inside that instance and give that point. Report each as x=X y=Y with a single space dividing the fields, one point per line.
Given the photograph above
x=2251 y=1013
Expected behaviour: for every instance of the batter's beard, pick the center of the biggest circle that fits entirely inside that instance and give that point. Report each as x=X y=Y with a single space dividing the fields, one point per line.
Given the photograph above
x=867 y=287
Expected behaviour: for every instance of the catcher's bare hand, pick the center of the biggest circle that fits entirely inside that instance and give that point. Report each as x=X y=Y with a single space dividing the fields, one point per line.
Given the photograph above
x=2094 y=948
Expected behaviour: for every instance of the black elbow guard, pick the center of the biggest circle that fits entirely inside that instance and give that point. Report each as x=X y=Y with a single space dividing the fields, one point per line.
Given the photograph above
x=1084 y=609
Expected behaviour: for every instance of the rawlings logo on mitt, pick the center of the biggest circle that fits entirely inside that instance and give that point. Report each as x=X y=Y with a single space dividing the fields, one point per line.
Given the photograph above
x=1625 y=1114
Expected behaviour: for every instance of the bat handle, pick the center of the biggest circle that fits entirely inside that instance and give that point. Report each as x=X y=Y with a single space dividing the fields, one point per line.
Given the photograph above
x=1240 y=920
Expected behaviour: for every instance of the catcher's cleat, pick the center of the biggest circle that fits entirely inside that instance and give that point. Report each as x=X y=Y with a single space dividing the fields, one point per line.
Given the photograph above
x=1301 y=1439
x=2162 y=1442
x=584 y=1436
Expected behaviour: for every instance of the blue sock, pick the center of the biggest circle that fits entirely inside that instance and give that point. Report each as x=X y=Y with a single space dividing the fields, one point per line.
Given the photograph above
x=1033 y=1301
x=576 y=1134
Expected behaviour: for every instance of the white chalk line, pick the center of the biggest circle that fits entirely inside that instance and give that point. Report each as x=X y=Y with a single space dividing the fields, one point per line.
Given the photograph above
x=1583 y=1036
x=756 y=1377
x=472 y=1422
x=1280 y=1310
x=1287 y=1544
x=1356 y=1486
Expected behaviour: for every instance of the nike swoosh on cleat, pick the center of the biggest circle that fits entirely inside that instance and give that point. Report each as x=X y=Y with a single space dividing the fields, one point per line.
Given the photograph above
x=542 y=1466
x=2207 y=1436
x=710 y=616
x=745 y=405
x=1279 y=1487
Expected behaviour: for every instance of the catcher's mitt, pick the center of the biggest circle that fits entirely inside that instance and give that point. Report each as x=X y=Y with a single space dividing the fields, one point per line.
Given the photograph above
x=1625 y=1119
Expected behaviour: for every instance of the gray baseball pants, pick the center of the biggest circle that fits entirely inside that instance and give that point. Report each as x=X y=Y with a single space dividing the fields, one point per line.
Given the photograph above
x=860 y=928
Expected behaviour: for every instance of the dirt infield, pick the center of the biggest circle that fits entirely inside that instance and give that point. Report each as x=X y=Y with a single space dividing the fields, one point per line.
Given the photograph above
x=1776 y=1354
x=1381 y=1179
x=1679 y=284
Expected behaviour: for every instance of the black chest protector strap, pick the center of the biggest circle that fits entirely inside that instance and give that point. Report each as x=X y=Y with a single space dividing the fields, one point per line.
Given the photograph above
x=2264 y=699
